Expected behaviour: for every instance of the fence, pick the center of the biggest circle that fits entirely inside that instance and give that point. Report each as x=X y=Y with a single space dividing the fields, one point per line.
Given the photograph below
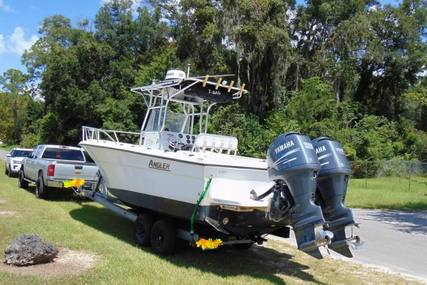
x=409 y=170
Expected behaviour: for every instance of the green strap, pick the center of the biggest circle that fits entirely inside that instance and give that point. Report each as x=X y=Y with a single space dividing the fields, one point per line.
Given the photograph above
x=201 y=197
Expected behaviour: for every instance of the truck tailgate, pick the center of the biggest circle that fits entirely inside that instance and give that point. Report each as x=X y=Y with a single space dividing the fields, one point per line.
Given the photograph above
x=65 y=170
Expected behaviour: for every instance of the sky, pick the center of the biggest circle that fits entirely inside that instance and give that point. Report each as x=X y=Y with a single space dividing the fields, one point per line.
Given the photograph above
x=20 y=19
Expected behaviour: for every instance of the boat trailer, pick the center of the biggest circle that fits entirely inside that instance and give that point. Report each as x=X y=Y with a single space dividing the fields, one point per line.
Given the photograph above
x=117 y=207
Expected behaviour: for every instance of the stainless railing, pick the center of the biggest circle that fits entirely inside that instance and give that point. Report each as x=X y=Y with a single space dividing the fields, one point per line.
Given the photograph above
x=90 y=133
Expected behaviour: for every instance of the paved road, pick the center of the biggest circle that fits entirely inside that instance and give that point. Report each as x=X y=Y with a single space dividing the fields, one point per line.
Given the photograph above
x=394 y=240
x=3 y=154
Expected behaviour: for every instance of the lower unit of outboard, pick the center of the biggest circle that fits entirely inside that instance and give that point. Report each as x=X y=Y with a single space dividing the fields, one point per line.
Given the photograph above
x=293 y=165
x=331 y=190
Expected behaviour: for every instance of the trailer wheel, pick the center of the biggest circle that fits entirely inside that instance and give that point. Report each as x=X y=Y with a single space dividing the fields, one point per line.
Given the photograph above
x=22 y=183
x=41 y=189
x=163 y=237
x=142 y=230
x=243 y=246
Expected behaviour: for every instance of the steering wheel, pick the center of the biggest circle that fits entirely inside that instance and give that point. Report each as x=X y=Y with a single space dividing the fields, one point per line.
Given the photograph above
x=174 y=144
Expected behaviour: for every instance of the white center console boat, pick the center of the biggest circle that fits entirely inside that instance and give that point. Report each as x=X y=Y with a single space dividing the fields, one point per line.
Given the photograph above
x=177 y=178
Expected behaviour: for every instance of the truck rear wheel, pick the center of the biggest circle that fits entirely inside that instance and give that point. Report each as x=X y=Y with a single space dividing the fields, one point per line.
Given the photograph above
x=41 y=189
x=22 y=183
x=163 y=237
x=142 y=230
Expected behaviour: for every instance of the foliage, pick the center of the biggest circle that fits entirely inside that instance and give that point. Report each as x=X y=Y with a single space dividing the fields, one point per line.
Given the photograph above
x=14 y=100
x=6 y=123
x=351 y=70
x=157 y=68
x=30 y=140
x=231 y=120
x=415 y=104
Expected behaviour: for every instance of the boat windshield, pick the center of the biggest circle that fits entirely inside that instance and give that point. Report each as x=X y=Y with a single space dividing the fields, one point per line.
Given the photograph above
x=175 y=122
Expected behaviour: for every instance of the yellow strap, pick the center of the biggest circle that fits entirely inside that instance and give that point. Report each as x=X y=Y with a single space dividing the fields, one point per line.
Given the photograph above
x=78 y=182
x=242 y=88
x=218 y=83
x=205 y=80
x=209 y=243
x=230 y=86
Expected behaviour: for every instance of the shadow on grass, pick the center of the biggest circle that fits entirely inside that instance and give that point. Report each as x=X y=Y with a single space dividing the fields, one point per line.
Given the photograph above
x=59 y=195
x=258 y=262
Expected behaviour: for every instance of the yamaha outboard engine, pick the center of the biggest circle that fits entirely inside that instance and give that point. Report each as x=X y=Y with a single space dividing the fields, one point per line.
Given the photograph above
x=293 y=165
x=331 y=191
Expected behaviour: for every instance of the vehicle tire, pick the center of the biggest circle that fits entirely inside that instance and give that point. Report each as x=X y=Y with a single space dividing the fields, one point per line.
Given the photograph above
x=142 y=230
x=163 y=237
x=243 y=246
x=6 y=171
x=22 y=183
x=41 y=189
x=9 y=173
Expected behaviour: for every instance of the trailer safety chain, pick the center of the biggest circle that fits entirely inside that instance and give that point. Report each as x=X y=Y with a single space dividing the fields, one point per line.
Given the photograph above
x=196 y=207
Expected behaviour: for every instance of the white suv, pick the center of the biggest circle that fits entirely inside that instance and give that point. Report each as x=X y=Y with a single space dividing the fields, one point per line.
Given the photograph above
x=14 y=160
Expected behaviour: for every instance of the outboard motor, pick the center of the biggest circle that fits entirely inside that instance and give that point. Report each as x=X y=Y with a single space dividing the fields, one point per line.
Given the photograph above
x=293 y=165
x=331 y=191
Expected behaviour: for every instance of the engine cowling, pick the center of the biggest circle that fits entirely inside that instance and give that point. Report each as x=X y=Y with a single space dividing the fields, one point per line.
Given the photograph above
x=293 y=165
x=331 y=190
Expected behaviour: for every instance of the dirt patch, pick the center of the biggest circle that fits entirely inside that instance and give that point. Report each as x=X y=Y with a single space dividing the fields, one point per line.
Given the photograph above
x=68 y=262
x=8 y=213
x=3 y=201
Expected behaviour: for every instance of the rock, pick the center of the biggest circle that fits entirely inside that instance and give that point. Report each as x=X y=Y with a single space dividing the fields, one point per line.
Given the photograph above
x=29 y=250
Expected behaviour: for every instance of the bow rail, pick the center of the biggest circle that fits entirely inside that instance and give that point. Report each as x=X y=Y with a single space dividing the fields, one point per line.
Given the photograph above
x=90 y=133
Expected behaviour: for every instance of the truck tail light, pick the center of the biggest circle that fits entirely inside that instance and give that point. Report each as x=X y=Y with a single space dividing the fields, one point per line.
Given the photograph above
x=51 y=170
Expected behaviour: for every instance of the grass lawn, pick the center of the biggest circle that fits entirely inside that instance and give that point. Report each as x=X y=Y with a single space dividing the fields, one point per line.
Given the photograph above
x=388 y=193
x=82 y=225
x=7 y=147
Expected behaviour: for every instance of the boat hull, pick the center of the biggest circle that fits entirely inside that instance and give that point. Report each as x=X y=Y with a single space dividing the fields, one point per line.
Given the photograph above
x=171 y=183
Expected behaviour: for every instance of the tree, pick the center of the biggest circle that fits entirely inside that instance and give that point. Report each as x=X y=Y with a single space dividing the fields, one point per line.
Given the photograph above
x=14 y=84
x=351 y=70
x=393 y=58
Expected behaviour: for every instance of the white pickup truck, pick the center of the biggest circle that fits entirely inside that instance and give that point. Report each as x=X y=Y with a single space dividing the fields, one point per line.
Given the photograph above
x=50 y=165
x=14 y=160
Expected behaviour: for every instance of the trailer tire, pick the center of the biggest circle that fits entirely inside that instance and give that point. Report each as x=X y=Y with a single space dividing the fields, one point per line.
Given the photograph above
x=22 y=183
x=41 y=189
x=142 y=230
x=163 y=237
x=243 y=246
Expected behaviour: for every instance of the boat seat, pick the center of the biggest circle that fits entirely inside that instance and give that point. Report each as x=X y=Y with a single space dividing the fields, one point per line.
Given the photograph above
x=216 y=143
